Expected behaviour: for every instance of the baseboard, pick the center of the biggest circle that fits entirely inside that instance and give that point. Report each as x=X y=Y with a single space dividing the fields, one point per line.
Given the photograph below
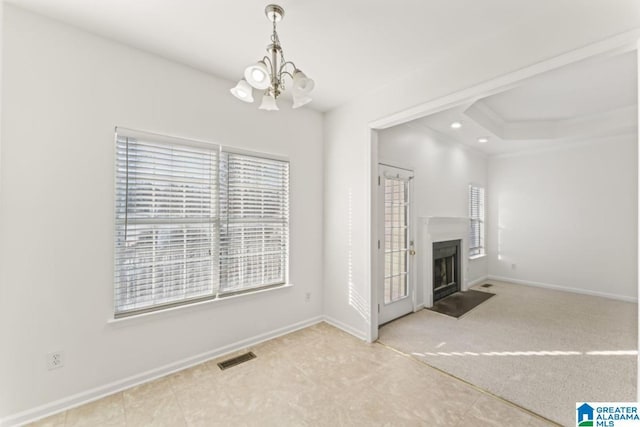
x=116 y=386
x=418 y=307
x=563 y=288
x=478 y=281
x=346 y=328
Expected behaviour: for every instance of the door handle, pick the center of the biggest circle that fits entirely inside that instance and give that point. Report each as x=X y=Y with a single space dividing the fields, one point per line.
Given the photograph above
x=412 y=252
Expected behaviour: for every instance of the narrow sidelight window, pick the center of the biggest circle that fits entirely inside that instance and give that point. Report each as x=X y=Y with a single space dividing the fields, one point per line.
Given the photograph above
x=476 y=226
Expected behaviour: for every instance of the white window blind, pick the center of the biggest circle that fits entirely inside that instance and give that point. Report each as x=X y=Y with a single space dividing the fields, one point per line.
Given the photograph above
x=166 y=222
x=254 y=195
x=195 y=223
x=476 y=215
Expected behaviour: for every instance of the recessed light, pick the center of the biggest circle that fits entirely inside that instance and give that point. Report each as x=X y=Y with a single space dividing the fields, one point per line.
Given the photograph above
x=456 y=125
x=483 y=140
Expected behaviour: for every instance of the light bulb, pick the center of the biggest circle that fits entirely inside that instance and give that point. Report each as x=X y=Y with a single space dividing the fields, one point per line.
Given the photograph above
x=257 y=75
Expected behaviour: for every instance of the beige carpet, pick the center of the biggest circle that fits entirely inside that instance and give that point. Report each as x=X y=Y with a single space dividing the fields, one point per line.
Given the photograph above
x=543 y=350
x=318 y=376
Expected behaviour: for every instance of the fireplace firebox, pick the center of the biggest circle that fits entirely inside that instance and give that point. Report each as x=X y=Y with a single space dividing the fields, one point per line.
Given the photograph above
x=446 y=268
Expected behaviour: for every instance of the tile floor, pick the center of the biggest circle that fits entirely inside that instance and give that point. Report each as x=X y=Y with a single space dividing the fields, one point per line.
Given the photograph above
x=318 y=376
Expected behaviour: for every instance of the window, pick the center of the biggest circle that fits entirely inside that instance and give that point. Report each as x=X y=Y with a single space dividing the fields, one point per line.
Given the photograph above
x=476 y=215
x=195 y=221
x=254 y=231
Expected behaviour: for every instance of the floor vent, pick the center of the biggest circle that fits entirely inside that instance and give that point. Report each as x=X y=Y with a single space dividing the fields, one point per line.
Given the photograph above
x=486 y=285
x=229 y=363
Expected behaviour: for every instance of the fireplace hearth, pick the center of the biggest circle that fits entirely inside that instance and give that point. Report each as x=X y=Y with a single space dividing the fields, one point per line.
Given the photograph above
x=446 y=268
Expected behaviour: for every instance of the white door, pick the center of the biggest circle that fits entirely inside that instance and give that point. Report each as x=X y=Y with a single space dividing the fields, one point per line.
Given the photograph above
x=395 y=244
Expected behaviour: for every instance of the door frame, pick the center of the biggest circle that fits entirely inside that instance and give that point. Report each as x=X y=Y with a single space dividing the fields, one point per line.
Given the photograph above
x=617 y=44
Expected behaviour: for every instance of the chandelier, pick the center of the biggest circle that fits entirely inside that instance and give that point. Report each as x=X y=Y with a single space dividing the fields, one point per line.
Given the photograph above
x=268 y=74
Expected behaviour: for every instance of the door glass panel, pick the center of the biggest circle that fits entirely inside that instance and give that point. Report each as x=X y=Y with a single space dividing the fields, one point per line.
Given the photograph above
x=394 y=288
x=395 y=239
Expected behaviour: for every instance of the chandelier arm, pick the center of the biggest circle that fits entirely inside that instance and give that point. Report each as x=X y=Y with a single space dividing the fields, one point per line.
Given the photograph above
x=268 y=61
x=284 y=64
x=286 y=73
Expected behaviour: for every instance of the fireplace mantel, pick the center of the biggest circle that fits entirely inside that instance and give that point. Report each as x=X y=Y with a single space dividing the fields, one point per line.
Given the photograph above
x=440 y=229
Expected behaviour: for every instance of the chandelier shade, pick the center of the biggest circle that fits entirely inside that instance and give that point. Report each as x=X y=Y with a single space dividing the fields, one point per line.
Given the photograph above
x=269 y=73
x=301 y=83
x=268 y=103
x=257 y=75
x=243 y=91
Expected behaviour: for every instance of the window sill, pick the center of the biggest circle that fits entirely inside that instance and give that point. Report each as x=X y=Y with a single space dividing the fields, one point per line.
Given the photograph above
x=477 y=256
x=158 y=313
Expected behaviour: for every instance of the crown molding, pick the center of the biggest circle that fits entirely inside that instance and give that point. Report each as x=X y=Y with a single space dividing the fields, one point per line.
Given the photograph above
x=598 y=124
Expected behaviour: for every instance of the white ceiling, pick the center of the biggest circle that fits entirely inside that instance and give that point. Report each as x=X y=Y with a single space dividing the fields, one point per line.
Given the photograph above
x=347 y=46
x=579 y=89
x=592 y=98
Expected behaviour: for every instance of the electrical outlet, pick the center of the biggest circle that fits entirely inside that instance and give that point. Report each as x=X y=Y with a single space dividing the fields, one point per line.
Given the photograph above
x=55 y=360
x=307 y=297
x=513 y=266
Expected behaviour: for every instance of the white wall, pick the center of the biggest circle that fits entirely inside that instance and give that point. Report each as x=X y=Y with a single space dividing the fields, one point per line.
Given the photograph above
x=65 y=90
x=348 y=178
x=443 y=170
x=567 y=217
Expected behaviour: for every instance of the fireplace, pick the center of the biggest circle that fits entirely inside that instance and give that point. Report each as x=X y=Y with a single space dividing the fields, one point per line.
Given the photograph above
x=446 y=268
x=438 y=229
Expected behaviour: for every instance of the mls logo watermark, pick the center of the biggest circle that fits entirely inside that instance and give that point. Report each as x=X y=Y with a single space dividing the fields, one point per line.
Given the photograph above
x=607 y=414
